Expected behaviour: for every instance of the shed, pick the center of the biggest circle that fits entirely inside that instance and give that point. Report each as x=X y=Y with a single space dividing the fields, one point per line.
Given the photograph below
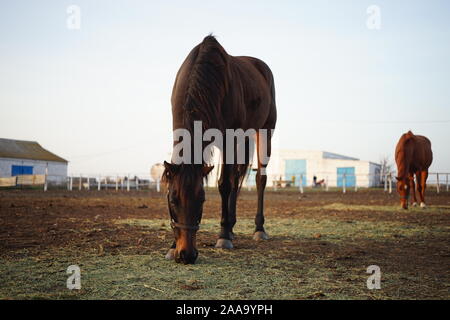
x=19 y=157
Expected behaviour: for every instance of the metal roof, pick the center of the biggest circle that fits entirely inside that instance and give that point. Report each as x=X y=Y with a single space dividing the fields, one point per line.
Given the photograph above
x=26 y=150
x=331 y=155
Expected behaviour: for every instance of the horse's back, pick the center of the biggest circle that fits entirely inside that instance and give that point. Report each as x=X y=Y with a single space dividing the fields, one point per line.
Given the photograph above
x=259 y=65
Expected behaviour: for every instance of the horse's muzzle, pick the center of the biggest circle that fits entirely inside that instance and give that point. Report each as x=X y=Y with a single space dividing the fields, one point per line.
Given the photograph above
x=404 y=204
x=186 y=257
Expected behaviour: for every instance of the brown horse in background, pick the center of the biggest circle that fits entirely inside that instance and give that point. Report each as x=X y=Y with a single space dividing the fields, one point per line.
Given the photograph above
x=223 y=92
x=413 y=156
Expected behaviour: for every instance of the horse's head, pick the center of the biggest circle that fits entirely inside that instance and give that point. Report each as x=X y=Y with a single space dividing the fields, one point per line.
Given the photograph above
x=185 y=199
x=403 y=191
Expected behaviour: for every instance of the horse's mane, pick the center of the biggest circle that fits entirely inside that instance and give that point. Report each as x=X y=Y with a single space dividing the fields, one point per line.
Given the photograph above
x=207 y=85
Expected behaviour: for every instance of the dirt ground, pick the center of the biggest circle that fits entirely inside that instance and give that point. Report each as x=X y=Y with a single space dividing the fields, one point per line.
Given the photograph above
x=320 y=246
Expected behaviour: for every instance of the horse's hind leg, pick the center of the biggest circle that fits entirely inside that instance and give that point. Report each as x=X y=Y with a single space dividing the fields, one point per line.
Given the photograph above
x=171 y=253
x=263 y=146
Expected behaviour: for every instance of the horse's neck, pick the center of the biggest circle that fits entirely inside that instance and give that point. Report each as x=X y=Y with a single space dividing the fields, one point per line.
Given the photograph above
x=408 y=157
x=403 y=167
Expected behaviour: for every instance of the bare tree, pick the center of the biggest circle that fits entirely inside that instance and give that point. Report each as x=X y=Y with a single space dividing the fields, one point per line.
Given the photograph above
x=386 y=167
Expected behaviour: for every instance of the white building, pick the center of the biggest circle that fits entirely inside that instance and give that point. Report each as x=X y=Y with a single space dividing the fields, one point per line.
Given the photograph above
x=334 y=169
x=302 y=165
x=28 y=157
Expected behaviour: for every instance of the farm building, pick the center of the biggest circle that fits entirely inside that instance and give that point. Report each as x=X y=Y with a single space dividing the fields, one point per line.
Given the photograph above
x=293 y=166
x=334 y=169
x=29 y=158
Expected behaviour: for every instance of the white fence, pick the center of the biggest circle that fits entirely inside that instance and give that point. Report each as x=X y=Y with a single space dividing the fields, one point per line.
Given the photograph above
x=112 y=182
x=345 y=182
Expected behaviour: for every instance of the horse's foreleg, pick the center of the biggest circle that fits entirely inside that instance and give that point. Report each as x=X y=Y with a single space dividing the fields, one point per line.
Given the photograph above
x=232 y=201
x=423 y=183
x=225 y=235
x=412 y=188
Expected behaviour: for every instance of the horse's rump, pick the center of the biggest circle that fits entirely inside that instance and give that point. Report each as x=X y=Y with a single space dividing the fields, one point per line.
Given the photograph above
x=413 y=153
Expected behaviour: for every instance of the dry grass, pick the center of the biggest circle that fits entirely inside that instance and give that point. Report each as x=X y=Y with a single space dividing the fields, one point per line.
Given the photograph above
x=321 y=253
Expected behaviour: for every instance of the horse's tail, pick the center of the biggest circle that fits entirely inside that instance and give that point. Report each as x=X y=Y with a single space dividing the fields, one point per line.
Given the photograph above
x=242 y=174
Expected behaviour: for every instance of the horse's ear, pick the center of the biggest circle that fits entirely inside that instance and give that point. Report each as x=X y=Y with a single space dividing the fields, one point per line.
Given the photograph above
x=170 y=168
x=206 y=170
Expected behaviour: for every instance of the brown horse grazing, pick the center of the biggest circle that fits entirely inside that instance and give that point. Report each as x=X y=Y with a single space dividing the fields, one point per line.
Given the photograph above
x=223 y=92
x=413 y=156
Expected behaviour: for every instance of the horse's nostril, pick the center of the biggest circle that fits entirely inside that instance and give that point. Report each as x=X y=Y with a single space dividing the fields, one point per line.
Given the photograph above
x=188 y=257
x=182 y=255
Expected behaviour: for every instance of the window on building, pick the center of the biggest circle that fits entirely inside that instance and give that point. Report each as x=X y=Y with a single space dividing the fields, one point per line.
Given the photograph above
x=20 y=170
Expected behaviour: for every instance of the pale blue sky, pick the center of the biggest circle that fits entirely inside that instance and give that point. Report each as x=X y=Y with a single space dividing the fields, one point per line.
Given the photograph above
x=100 y=96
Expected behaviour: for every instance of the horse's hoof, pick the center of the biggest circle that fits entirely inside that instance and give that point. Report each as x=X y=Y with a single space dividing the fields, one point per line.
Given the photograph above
x=170 y=254
x=232 y=237
x=260 y=235
x=414 y=204
x=423 y=205
x=224 y=244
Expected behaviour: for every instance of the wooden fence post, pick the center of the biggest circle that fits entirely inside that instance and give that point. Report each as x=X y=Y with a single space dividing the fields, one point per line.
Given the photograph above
x=344 y=182
x=71 y=183
x=301 y=183
x=117 y=183
x=390 y=183
x=45 y=178
x=79 y=183
x=385 y=182
x=99 y=183
x=128 y=182
x=446 y=181
x=356 y=183
x=88 y=183
x=158 y=187
x=437 y=182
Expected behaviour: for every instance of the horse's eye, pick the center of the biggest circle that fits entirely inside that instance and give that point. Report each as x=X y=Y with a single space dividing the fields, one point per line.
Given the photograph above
x=173 y=197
